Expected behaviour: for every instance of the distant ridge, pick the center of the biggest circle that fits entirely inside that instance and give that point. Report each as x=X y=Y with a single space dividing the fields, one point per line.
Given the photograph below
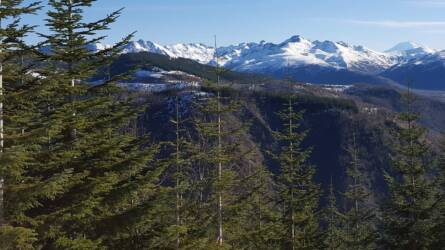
x=306 y=60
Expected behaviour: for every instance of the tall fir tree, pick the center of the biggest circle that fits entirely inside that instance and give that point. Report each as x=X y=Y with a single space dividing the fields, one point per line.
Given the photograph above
x=358 y=227
x=258 y=214
x=407 y=217
x=179 y=176
x=219 y=153
x=439 y=215
x=178 y=199
x=218 y=159
x=333 y=222
x=90 y=164
x=216 y=221
x=298 y=194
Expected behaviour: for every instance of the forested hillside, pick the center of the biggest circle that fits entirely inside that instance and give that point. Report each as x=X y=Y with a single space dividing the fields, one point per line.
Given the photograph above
x=104 y=150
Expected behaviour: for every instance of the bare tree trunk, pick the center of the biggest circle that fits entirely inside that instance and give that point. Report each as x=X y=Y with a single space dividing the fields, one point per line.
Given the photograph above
x=73 y=81
x=356 y=169
x=178 y=178
x=220 y=204
x=2 y=180
x=356 y=182
x=260 y=215
x=292 y=172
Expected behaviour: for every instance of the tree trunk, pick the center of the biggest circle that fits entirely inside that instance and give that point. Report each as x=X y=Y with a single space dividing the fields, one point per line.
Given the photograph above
x=178 y=176
x=2 y=180
x=292 y=173
x=70 y=66
x=220 y=204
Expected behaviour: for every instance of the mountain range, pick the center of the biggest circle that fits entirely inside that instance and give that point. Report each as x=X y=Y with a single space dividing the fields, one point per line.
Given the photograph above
x=324 y=62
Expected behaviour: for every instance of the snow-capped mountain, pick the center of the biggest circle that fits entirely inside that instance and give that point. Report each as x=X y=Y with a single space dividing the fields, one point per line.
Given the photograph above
x=146 y=46
x=426 y=72
x=298 y=51
x=194 y=51
x=305 y=60
x=293 y=52
x=407 y=46
x=407 y=51
x=98 y=47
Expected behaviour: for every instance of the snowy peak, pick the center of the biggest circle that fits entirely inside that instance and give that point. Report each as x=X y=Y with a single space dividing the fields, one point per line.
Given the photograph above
x=295 y=51
x=406 y=46
x=296 y=39
x=98 y=47
x=408 y=51
x=198 y=52
x=328 y=46
x=194 y=51
x=145 y=46
x=254 y=57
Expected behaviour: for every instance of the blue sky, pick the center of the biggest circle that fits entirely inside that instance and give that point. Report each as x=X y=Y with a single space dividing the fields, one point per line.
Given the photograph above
x=377 y=24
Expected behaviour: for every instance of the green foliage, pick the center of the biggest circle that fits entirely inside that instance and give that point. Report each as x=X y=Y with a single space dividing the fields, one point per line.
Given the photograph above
x=257 y=214
x=298 y=194
x=408 y=216
x=333 y=219
x=218 y=159
x=16 y=116
x=17 y=238
x=78 y=177
x=72 y=165
x=358 y=229
x=439 y=215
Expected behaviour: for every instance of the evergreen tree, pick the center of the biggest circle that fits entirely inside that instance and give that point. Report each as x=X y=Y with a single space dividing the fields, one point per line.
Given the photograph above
x=89 y=165
x=258 y=214
x=15 y=114
x=333 y=219
x=358 y=228
x=439 y=215
x=179 y=163
x=408 y=216
x=216 y=200
x=178 y=198
x=218 y=158
x=298 y=194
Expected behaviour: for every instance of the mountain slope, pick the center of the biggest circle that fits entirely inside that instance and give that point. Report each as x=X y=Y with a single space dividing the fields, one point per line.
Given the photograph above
x=143 y=61
x=255 y=57
x=323 y=62
x=153 y=68
x=427 y=72
x=298 y=51
x=407 y=51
